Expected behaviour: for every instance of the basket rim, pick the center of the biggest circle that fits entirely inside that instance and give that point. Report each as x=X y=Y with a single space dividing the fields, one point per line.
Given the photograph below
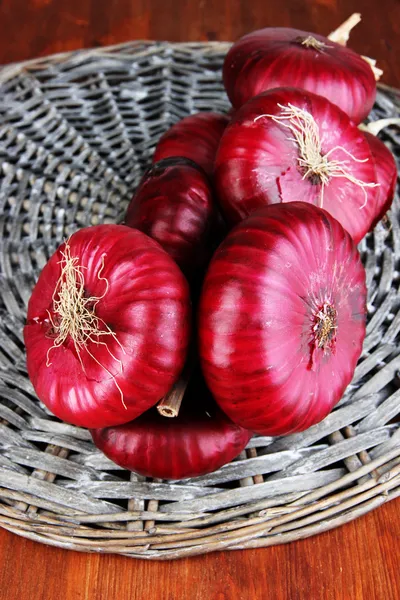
x=8 y=71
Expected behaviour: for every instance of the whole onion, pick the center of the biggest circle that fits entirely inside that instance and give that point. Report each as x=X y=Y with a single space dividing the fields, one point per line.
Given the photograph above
x=280 y=57
x=288 y=144
x=282 y=318
x=174 y=206
x=386 y=173
x=196 y=137
x=107 y=327
x=198 y=441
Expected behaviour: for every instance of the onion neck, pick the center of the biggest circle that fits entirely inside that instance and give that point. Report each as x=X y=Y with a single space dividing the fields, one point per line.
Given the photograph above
x=311 y=42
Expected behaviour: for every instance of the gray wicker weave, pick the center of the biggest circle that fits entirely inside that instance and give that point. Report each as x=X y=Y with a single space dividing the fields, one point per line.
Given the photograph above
x=76 y=132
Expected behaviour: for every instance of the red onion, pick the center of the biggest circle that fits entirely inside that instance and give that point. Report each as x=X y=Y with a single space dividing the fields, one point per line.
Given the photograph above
x=287 y=145
x=196 y=137
x=107 y=327
x=386 y=173
x=282 y=318
x=174 y=206
x=198 y=441
x=280 y=57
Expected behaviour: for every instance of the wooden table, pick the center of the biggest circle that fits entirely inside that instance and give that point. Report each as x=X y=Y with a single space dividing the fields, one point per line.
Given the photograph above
x=358 y=561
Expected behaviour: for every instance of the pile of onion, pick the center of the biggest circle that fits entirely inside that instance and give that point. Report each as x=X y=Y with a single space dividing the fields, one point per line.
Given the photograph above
x=173 y=352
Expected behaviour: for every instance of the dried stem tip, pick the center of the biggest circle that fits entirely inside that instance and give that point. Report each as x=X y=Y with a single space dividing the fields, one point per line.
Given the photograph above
x=312 y=42
x=315 y=166
x=170 y=405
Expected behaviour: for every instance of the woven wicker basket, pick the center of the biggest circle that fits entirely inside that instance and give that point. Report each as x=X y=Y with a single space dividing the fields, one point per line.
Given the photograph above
x=76 y=132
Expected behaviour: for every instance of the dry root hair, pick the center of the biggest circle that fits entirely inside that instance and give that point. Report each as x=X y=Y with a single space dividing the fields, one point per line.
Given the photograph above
x=305 y=132
x=74 y=314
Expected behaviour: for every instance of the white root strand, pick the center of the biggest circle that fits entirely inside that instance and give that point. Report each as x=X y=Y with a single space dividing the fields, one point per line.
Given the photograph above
x=305 y=131
x=74 y=314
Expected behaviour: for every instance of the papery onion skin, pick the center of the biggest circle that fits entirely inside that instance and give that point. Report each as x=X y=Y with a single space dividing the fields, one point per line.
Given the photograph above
x=196 y=137
x=174 y=206
x=264 y=288
x=146 y=305
x=272 y=57
x=198 y=441
x=257 y=162
x=386 y=173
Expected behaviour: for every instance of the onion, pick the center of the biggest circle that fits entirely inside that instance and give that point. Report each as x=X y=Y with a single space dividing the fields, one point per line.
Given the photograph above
x=198 y=441
x=386 y=173
x=107 y=327
x=196 y=137
x=282 y=318
x=280 y=57
x=287 y=145
x=174 y=206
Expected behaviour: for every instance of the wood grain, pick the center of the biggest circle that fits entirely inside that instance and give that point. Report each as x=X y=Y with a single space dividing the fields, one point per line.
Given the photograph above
x=30 y=28
x=358 y=561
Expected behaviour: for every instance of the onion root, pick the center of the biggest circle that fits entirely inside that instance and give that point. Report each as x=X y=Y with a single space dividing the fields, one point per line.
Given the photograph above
x=313 y=163
x=74 y=314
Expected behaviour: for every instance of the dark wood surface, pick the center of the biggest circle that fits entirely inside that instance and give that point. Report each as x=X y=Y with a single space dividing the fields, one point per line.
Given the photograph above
x=358 y=561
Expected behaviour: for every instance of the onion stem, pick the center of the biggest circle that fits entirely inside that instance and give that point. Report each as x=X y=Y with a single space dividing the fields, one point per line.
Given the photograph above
x=341 y=36
x=374 y=127
x=170 y=405
x=342 y=33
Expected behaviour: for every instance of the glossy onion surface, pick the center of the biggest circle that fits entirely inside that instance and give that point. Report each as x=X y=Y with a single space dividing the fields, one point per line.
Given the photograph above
x=275 y=57
x=258 y=162
x=174 y=206
x=143 y=300
x=282 y=318
x=196 y=137
x=198 y=441
x=386 y=173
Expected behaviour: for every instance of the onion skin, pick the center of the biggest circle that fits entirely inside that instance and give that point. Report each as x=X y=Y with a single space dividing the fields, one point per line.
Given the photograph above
x=198 y=441
x=258 y=311
x=257 y=162
x=147 y=306
x=174 y=206
x=386 y=173
x=271 y=58
x=196 y=137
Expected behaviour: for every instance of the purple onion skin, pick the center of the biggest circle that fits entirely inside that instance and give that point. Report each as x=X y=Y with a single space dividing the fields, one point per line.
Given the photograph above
x=274 y=57
x=198 y=441
x=258 y=162
x=386 y=174
x=260 y=325
x=174 y=206
x=196 y=137
x=142 y=293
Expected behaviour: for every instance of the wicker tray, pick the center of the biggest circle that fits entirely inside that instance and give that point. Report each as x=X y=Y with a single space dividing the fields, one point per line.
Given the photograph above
x=76 y=132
